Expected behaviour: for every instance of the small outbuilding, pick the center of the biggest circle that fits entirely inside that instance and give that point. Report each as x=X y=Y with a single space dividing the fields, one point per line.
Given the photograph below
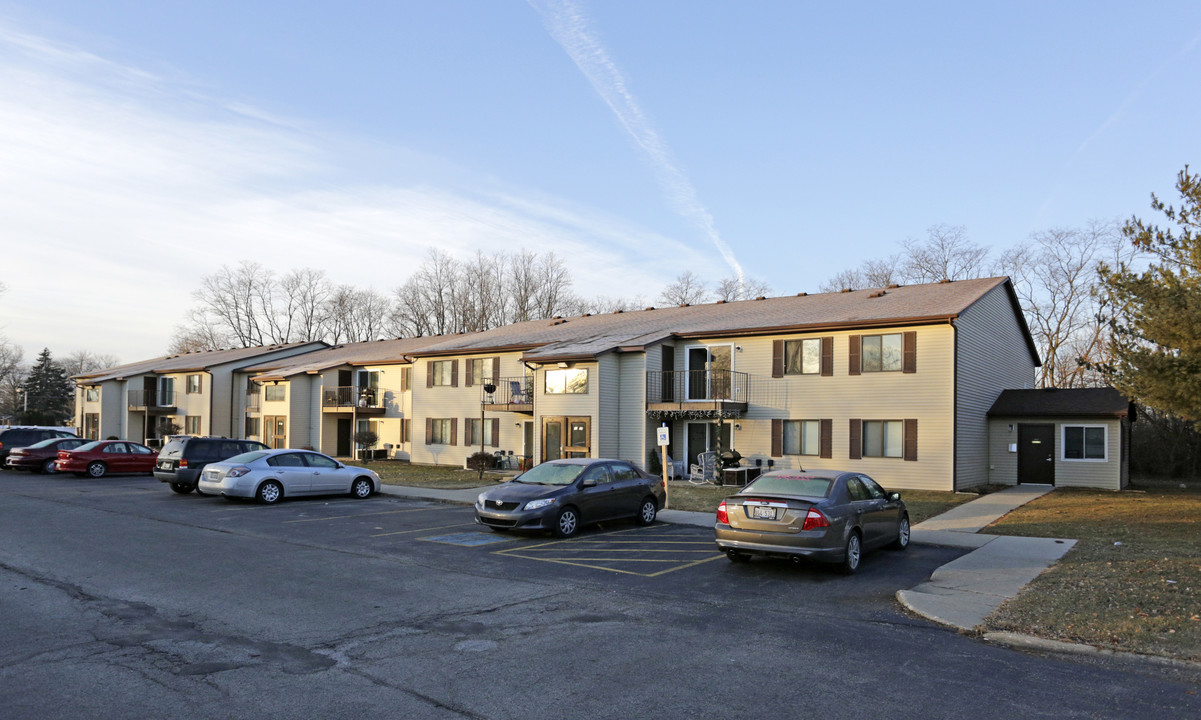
x=1063 y=437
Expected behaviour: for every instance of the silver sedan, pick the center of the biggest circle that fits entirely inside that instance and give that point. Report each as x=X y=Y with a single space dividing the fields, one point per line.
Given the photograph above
x=271 y=475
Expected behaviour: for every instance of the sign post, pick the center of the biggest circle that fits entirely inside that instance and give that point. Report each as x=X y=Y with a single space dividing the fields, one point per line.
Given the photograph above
x=663 y=436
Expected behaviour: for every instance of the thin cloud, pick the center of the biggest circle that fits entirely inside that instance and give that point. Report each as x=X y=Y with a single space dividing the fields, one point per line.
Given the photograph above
x=571 y=28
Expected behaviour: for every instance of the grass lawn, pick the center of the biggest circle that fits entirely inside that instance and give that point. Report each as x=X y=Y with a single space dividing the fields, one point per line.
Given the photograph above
x=1132 y=583
x=446 y=477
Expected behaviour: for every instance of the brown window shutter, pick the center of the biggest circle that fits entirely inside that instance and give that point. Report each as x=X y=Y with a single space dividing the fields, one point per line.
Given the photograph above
x=909 y=352
x=454 y=373
x=853 y=354
x=856 y=441
x=429 y=373
x=200 y=383
x=777 y=437
x=495 y=431
x=827 y=357
x=469 y=437
x=404 y=379
x=454 y=431
x=429 y=431
x=404 y=429
x=910 y=439
x=468 y=372
x=777 y=358
x=825 y=444
x=496 y=371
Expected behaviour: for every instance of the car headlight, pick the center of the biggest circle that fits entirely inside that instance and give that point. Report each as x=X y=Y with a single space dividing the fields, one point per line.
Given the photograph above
x=535 y=504
x=480 y=500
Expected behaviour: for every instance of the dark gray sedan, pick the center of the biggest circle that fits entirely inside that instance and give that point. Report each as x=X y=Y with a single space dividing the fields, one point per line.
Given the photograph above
x=824 y=515
x=562 y=495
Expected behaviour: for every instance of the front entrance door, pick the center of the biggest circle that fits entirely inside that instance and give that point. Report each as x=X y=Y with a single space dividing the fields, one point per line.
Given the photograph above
x=566 y=437
x=344 y=425
x=1036 y=454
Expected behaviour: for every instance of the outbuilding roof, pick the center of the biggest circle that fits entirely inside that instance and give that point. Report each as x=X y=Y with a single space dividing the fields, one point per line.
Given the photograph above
x=1062 y=402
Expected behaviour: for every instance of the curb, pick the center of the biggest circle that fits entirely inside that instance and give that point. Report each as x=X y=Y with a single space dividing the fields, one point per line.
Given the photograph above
x=1031 y=642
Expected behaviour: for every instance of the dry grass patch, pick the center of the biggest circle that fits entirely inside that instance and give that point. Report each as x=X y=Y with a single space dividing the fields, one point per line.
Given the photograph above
x=1133 y=582
x=446 y=477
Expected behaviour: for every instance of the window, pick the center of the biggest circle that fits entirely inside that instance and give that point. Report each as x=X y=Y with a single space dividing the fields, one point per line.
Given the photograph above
x=440 y=431
x=92 y=395
x=91 y=426
x=883 y=438
x=481 y=371
x=802 y=357
x=252 y=427
x=473 y=432
x=573 y=381
x=623 y=472
x=442 y=373
x=193 y=384
x=275 y=393
x=882 y=353
x=801 y=437
x=1085 y=442
x=320 y=461
x=191 y=424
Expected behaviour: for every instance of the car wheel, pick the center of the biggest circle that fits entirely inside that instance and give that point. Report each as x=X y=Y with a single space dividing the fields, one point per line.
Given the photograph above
x=198 y=492
x=269 y=492
x=362 y=488
x=48 y=467
x=181 y=488
x=647 y=511
x=854 y=551
x=97 y=469
x=737 y=557
x=902 y=540
x=567 y=522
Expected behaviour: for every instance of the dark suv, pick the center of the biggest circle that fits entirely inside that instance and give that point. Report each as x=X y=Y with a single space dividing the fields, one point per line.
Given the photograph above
x=25 y=436
x=183 y=458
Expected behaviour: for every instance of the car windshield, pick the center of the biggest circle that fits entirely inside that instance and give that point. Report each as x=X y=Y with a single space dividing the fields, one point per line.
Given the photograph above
x=790 y=485
x=45 y=443
x=89 y=446
x=551 y=474
x=247 y=457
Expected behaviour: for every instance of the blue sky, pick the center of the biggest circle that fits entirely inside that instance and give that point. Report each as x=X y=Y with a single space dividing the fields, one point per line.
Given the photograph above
x=145 y=143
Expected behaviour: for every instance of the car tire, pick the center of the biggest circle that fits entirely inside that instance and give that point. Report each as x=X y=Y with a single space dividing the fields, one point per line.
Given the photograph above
x=48 y=467
x=269 y=493
x=737 y=557
x=567 y=522
x=647 y=511
x=181 y=488
x=97 y=469
x=198 y=492
x=362 y=488
x=853 y=553
x=902 y=540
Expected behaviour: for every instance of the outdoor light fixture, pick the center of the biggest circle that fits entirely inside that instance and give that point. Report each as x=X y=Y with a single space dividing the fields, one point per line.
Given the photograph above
x=562 y=364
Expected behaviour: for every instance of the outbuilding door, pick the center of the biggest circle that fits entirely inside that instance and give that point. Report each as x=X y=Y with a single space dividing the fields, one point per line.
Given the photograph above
x=1036 y=454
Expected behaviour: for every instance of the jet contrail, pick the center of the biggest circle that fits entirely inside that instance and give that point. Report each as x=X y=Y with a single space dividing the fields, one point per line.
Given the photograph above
x=569 y=27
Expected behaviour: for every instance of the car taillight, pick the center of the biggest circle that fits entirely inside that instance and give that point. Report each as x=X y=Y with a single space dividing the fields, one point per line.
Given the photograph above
x=62 y=454
x=814 y=520
x=722 y=516
x=183 y=462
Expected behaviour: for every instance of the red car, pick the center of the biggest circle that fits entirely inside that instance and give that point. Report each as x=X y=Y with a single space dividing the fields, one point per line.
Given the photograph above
x=40 y=456
x=102 y=457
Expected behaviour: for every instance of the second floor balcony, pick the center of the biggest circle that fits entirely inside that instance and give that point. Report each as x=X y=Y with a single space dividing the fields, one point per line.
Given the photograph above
x=354 y=399
x=161 y=400
x=697 y=393
x=511 y=394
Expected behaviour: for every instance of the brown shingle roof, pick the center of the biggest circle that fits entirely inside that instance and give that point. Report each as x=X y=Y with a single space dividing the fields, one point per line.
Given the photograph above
x=1062 y=402
x=588 y=336
x=184 y=362
x=373 y=352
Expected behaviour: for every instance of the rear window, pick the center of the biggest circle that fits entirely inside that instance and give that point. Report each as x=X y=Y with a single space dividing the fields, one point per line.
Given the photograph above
x=790 y=485
x=173 y=448
x=47 y=443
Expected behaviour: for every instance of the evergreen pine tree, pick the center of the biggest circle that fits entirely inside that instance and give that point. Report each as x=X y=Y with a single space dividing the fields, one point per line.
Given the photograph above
x=49 y=394
x=1156 y=322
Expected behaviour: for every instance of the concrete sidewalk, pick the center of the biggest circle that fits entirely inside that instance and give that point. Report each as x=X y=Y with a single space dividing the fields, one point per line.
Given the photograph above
x=961 y=593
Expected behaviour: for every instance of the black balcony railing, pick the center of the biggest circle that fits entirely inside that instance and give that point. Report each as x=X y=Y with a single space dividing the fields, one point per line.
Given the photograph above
x=511 y=391
x=151 y=398
x=684 y=386
x=353 y=396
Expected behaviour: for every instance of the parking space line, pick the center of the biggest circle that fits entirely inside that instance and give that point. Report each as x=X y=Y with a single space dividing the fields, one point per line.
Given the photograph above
x=383 y=512
x=416 y=530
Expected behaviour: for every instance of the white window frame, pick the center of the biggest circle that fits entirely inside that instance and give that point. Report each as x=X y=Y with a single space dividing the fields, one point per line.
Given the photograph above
x=440 y=431
x=814 y=425
x=554 y=374
x=884 y=446
x=442 y=372
x=1063 y=443
x=900 y=358
x=803 y=342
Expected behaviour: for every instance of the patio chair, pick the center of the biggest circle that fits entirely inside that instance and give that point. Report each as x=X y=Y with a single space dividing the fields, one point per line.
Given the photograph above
x=705 y=469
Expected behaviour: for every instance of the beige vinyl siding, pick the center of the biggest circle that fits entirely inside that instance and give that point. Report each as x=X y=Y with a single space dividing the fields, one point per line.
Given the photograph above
x=197 y=404
x=607 y=426
x=632 y=423
x=993 y=356
x=460 y=403
x=926 y=395
x=575 y=405
x=1107 y=475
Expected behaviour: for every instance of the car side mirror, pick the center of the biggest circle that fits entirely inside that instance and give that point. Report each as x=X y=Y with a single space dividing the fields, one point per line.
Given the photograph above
x=894 y=496
x=587 y=483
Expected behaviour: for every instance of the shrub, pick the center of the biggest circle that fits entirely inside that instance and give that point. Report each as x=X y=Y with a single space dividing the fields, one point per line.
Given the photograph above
x=480 y=461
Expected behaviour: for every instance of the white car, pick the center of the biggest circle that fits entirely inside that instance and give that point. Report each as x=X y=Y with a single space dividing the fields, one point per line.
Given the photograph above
x=271 y=475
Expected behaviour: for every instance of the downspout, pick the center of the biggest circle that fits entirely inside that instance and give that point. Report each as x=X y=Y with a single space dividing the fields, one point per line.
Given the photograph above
x=955 y=410
x=533 y=414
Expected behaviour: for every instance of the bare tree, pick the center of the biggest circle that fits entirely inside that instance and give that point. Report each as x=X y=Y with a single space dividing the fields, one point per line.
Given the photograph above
x=873 y=273
x=687 y=289
x=946 y=254
x=553 y=289
x=12 y=375
x=731 y=289
x=84 y=361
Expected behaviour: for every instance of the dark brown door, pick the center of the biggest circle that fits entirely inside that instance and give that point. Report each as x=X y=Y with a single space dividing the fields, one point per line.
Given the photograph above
x=1036 y=454
x=343 y=441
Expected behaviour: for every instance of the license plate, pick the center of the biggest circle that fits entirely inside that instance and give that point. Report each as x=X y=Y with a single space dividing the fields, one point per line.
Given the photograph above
x=768 y=513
